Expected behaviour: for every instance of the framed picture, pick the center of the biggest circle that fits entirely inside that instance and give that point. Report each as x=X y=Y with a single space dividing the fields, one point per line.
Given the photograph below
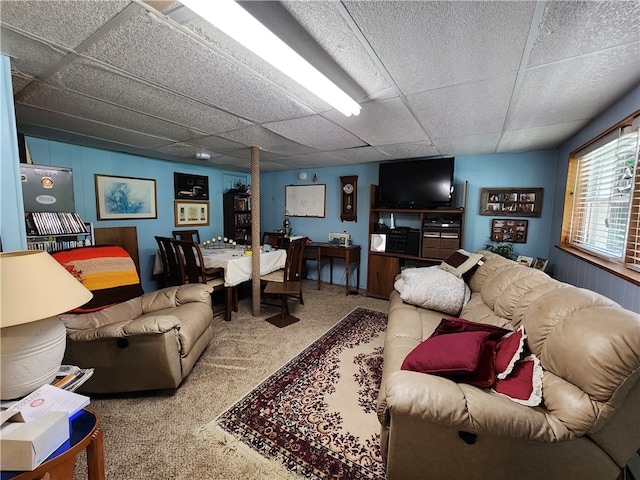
x=540 y=263
x=190 y=187
x=187 y=213
x=526 y=261
x=512 y=202
x=125 y=198
x=509 y=230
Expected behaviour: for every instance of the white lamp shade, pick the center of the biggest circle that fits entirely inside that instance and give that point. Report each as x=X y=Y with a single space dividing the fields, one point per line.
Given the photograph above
x=34 y=286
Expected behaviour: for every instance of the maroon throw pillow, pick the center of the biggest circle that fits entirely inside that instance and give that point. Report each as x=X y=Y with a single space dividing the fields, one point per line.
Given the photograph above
x=448 y=355
x=508 y=351
x=524 y=384
x=485 y=375
x=457 y=325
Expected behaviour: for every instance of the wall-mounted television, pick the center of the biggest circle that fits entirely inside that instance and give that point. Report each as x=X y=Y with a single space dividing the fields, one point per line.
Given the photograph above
x=416 y=183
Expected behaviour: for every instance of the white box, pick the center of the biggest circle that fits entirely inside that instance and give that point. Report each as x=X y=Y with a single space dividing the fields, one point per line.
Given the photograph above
x=25 y=445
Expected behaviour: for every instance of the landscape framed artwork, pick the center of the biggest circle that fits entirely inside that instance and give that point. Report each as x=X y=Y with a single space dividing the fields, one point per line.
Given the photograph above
x=512 y=202
x=508 y=230
x=190 y=187
x=191 y=213
x=125 y=198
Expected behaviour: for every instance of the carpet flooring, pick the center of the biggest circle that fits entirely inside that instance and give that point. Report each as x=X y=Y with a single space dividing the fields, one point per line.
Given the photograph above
x=156 y=435
x=316 y=416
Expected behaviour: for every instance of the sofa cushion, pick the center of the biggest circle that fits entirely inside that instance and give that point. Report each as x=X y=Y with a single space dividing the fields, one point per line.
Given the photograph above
x=524 y=384
x=448 y=355
x=460 y=262
x=107 y=270
x=508 y=351
x=433 y=288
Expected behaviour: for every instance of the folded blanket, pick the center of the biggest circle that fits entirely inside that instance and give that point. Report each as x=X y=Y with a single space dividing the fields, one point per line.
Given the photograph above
x=433 y=288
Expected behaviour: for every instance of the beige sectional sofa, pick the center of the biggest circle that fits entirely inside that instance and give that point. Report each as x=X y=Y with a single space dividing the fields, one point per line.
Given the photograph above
x=588 y=423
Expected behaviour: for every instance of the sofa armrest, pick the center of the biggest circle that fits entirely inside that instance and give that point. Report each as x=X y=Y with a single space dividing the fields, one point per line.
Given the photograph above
x=174 y=296
x=150 y=324
x=467 y=408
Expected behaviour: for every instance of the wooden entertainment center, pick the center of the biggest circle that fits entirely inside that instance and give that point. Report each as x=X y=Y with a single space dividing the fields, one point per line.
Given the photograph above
x=440 y=233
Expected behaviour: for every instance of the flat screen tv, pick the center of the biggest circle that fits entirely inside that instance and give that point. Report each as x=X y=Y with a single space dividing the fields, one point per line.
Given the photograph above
x=416 y=183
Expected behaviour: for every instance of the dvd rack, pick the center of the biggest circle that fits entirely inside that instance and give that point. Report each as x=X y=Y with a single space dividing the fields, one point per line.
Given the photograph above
x=55 y=231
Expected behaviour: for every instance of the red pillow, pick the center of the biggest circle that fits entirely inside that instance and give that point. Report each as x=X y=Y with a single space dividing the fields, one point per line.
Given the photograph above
x=448 y=355
x=457 y=325
x=508 y=352
x=524 y=383
x=485 y=375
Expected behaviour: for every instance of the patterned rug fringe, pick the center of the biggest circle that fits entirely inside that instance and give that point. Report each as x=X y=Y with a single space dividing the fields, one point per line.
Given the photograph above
x=254 y=466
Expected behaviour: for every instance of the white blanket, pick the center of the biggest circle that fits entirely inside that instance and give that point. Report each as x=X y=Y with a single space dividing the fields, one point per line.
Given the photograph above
x=433 y=288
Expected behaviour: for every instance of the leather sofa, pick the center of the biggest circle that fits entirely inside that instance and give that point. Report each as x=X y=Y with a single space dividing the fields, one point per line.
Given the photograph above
x=134 y=341
x=587 y=425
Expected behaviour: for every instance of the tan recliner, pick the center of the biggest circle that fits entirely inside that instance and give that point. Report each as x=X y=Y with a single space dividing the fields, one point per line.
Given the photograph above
x=588 y=424
x=148 y=342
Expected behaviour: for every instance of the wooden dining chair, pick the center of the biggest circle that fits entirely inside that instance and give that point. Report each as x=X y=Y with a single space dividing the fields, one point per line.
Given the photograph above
x=169 y=257
x=192 y=268
x=279 y=276
x=275 y=239
x=291 y=284
x=192 y=235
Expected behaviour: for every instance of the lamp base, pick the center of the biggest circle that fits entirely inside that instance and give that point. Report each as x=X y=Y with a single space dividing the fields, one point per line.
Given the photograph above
x=30 y=356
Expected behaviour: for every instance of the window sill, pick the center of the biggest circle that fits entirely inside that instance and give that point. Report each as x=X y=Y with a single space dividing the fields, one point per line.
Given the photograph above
x=614 y=268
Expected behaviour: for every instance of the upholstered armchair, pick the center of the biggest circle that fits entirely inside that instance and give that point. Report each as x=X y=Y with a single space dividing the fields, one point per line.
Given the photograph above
x=134 y=341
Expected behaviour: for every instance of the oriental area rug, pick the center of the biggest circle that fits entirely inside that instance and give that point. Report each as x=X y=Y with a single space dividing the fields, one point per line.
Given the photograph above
x=316 y=416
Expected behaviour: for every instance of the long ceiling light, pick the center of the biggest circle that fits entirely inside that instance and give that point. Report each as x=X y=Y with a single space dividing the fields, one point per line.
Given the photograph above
x=236 y=22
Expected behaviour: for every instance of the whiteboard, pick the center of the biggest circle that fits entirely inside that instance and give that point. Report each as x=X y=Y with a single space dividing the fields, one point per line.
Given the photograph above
x=305 y=200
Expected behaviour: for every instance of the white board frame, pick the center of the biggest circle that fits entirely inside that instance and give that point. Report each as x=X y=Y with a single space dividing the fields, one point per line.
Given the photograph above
x=306 y=200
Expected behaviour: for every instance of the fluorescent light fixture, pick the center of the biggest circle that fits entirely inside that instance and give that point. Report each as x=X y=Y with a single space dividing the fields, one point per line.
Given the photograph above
x=236 y=22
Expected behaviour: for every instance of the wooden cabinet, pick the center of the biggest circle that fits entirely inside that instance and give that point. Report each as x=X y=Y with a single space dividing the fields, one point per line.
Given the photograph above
x=439 y=233
x=237 y=216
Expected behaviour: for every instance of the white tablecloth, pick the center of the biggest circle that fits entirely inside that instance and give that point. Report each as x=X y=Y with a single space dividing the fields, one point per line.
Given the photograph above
x=237 y=266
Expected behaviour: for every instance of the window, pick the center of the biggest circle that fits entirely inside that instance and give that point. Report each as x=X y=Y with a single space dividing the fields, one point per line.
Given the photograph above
x=602 y=203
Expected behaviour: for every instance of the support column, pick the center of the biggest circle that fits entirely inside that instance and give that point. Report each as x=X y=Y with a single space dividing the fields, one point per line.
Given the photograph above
x=255 y=229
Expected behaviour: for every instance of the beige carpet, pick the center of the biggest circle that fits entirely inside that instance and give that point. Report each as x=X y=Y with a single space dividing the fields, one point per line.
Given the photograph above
x=154 y=435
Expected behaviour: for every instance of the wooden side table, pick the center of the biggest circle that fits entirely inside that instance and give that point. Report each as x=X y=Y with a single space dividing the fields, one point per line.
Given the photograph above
x=86 y=433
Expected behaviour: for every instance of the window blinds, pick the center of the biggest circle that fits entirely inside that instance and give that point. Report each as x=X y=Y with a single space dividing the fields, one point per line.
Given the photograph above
x=604 y=198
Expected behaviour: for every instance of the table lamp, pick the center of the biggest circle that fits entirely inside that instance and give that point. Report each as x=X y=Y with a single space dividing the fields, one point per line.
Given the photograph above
x=34 y=288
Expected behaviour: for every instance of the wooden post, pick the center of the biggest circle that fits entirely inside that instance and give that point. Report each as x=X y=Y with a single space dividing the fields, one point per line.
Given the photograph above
x=255 y=229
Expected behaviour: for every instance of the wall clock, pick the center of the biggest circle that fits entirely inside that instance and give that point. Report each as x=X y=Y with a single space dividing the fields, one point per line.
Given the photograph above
x=349 y=198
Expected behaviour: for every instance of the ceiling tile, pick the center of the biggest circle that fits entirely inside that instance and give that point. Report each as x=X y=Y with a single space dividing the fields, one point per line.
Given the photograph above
x=67 y=23
x=54 y=99
x=202 y=74
x=567 y=29
x=478 y=107
x=426 y=45
x=468 y=145
x=95 y=80
x=409 y=150
x=82 y=126
x=381 y=122
x=335 y=36
x=362 y=154
x=267 y=140
x=28 y=57
x=537 y=138
x=550 y=94
x=316 y=132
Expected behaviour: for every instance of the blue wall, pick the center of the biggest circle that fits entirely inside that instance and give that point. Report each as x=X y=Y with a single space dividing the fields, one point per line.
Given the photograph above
x=86 y=162
x=531 y=169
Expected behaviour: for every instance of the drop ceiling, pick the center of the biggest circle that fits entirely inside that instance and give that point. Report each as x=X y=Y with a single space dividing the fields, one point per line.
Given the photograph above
x=434 y=78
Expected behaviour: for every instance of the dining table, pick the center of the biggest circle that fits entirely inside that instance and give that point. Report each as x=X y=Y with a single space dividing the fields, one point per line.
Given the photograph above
x=237 y=266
